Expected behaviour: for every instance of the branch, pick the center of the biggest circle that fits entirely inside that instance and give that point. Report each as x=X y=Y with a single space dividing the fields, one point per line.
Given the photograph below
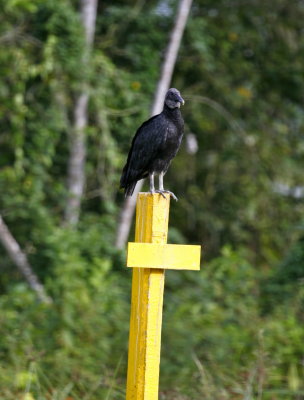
x=20 y=260
x=162 y=87
x=220 y=109
x=76 y=163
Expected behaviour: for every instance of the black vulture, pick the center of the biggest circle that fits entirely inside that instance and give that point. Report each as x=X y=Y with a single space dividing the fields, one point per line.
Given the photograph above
x=154 y=145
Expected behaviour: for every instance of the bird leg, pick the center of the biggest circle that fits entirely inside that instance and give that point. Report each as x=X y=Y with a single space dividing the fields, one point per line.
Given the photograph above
x=161 y=181
x=161 y=189
x=152 y=188
x=151 y=178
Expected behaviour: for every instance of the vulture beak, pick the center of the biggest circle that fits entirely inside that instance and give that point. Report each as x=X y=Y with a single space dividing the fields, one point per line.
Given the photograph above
x=181 y=101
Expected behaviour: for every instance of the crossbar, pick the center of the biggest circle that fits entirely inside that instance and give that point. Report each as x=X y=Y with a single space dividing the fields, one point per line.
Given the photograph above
x=165 y=256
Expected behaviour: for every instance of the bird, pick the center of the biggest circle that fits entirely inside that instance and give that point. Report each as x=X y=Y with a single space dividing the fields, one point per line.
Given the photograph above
x=155 y=143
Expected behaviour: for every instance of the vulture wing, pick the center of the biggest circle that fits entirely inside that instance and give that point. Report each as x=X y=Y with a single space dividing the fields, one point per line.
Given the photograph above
x=144 y=149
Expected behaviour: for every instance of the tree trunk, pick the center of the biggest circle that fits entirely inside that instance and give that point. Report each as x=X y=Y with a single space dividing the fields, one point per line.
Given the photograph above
x=162 y=87
x=20 y=260
x=76 y=163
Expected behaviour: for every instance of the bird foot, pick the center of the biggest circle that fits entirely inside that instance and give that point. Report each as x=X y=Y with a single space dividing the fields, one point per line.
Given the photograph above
x=167 y=191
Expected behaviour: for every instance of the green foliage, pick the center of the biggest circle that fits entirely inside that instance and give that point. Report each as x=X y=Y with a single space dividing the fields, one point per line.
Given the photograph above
x=232 y=331
x=249 y=140
x=213 y=321
x=82 y=334
x=215 y=339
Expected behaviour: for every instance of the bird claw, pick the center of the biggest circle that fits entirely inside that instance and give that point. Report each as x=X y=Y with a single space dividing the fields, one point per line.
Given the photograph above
x=161 y=192
x=166 y=191
x=158 y=191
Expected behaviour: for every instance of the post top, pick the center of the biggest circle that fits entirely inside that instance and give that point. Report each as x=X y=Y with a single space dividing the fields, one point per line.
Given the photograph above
x=154 y=195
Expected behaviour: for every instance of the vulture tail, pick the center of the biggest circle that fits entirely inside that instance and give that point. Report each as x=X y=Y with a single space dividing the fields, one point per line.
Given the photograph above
x=129 y=188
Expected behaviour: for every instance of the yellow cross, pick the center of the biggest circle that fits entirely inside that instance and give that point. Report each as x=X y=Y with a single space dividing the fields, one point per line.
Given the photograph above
x=149 y=257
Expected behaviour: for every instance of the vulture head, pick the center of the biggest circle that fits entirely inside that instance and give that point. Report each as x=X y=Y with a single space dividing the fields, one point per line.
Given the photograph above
x=173 y=99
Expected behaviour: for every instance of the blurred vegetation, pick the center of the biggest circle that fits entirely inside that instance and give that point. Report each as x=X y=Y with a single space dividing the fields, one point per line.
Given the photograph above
x=232 y=331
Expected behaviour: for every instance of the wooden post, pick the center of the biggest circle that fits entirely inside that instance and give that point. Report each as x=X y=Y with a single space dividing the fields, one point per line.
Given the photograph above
x=149 y=257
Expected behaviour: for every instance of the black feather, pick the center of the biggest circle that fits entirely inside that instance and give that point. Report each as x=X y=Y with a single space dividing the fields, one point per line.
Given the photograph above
x=155 y=143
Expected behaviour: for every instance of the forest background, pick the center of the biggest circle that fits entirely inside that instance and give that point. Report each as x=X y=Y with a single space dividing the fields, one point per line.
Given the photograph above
x=235 y=329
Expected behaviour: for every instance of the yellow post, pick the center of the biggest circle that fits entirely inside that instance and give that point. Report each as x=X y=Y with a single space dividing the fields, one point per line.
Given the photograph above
x=150 y=262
